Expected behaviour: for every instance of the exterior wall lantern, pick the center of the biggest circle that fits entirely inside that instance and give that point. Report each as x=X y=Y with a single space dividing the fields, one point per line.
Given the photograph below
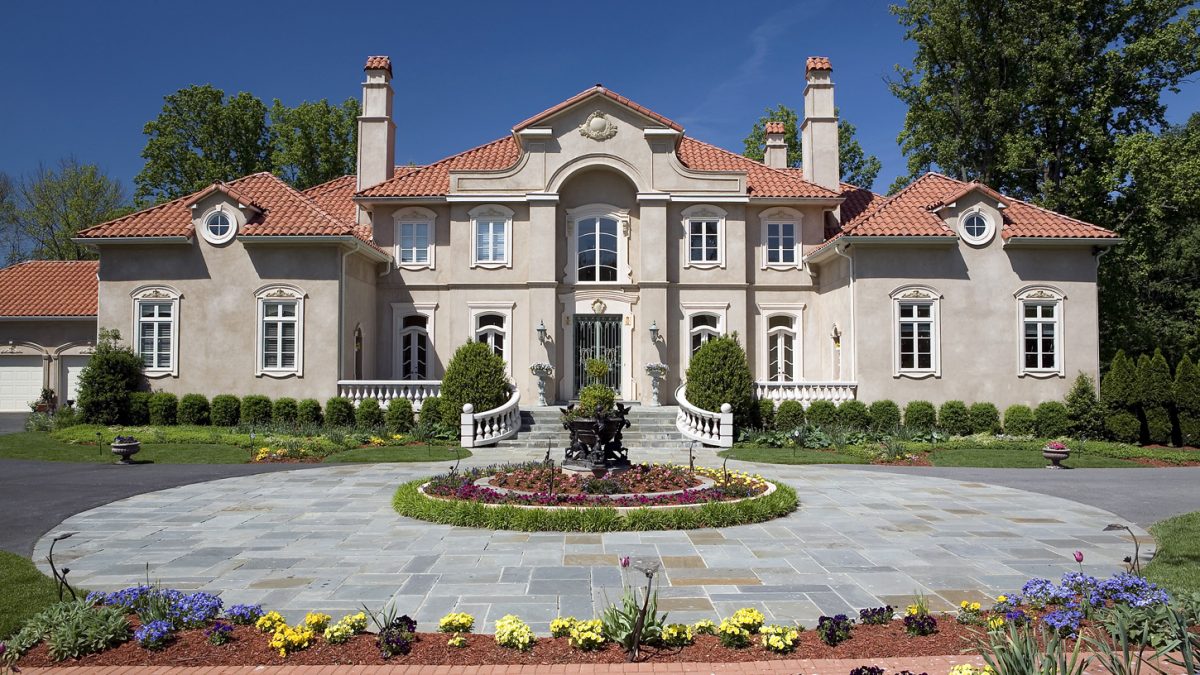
x=541 y=332
x=654 y=331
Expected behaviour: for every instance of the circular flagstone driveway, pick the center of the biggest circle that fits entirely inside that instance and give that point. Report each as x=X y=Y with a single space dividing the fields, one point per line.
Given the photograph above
x=327 y=539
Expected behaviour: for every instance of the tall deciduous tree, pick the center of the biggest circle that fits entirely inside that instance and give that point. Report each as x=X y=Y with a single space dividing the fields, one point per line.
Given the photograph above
x=315 y=142
x=857 y=167
x=53 y=204
x=201 y=137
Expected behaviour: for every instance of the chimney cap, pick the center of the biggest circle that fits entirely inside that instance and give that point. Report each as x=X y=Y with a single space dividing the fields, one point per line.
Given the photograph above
x=378 y=63
x=818 y=63
x=775 y=128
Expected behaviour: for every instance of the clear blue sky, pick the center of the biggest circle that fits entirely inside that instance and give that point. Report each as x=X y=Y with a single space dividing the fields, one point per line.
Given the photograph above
x=82 y=78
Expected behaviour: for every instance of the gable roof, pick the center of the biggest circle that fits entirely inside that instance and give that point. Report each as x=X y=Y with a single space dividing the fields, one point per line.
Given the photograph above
x=598 y=90
x=42 y=288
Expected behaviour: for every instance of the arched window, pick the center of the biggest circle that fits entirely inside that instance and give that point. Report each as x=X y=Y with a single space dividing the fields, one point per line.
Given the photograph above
x=781 y=344
x=414 y=347
x=596 y=245
x=490 y=330
x=704 y=328
x=358 y=352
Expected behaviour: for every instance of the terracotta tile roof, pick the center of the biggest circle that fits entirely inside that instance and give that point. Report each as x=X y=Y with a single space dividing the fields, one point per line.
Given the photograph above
x=378 y=63
x=761 y=180
x=817 y=63
x=594 y=91
x=434 y=180
x=225 y=189
x=774 y=128
x=49 y=288
x=335 y=197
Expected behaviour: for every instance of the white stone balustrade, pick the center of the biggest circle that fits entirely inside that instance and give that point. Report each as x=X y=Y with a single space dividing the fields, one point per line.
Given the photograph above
x=386 y=390
x=805 y=392
x=489 y=427
x=707 y=427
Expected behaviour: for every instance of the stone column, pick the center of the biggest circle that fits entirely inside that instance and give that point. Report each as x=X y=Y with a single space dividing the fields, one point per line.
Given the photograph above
x=544 y=269
x=652 y=280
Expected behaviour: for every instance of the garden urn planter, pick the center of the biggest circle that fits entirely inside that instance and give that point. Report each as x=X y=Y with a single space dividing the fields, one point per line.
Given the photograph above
x=1056 y=453
x=596 y=444
x=125 y=450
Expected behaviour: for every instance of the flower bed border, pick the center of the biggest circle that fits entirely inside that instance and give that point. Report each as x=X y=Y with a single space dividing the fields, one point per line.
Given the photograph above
x=620 y=509
x=409 y=501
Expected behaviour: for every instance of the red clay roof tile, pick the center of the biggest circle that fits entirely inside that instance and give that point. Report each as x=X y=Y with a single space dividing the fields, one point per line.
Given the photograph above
x=817 y=63
x=594 y=91
x=774 y=128
x=49 y=288
x=378 y=63
x=761 y=180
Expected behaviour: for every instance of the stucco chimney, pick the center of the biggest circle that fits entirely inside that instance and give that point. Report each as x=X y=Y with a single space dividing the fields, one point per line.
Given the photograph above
x=819 y=131
x=376 y=130
x=777 y=149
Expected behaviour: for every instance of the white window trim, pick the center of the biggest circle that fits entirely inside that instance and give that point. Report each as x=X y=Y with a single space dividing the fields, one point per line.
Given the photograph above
x=419 y=216
x=624 y=271
x=781 y=215
x=988 y=233
x=703 y=212
x=492 y=212
x=272 y=293
x=504 y=309
x=918 y=294
x=690 y=309
x=1042 y=294
x=157 y=294
x=400 y=310
x=766 y=310
x=233 y=225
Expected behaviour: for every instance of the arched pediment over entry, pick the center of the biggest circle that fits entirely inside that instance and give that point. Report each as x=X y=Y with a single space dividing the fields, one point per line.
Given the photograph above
x=587 y=162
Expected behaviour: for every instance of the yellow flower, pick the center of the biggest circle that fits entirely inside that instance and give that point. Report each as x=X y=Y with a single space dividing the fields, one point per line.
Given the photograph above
x=975 y=606
x=1001 y=598
x=995 y=622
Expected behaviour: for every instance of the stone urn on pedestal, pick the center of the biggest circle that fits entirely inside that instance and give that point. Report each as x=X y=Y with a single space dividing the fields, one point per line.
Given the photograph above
x=543 y=371
x=656 y=371
x=125 y=447
x=1056 y=452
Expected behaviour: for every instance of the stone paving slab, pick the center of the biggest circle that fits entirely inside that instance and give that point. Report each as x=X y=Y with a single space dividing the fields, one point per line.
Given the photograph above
x=327 y=539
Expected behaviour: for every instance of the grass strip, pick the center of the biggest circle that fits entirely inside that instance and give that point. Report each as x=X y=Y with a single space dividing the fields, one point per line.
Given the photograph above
x=1176 y=564
x=26 y=592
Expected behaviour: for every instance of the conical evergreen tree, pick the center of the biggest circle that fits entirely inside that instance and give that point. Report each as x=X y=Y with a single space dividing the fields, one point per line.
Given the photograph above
x=1084 y=409
x=1155 y=393
x=1187 y=401
x=1118 y=389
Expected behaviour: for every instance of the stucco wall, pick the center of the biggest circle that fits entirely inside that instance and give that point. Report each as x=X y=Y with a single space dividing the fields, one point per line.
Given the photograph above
x=50 y=339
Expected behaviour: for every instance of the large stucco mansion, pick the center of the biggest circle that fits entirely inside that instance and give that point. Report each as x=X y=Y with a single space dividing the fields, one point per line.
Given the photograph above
x=596 y=228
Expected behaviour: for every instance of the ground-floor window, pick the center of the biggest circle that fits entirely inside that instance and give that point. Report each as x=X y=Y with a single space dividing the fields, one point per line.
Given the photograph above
x=916 y=332
x=414 y=348
x=156 y=329
x=704 y=328
x=781 y=338
x=1041 y=326
x=490 y=330
x=280 y=331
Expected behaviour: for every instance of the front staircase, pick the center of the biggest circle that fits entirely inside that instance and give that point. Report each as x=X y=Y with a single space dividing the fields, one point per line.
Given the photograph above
x=652 y=432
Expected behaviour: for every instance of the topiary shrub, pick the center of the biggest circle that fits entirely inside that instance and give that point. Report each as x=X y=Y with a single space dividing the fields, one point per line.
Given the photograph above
x=284 y=411
x=984 y=417
x=193 y=409
x=1018 y=420
x=164 y=408
x=719 y=374
x=139 y=407
x=226 y=410
x=431 y=409
x=339 y=412
x=854 y=415
x=474 y=375
x=308 y=413
x=1156 y=395
x=1118 y=389
x=399 y=416
x=885 y=416
x=256 y=409
x=105 y=383
x=766 y=413
x=1050 y=420
x=1084 y=411
x=368 y=415
x=1186 y=392
x=1158 y=426
x=954 y=418
x=593 y=396
x=789 y=416
x=1123 y=426
x=821 y=414
x=920 y=416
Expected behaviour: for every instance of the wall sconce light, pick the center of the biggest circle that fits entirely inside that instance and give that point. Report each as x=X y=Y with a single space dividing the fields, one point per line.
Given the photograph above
x=654 y=331
x=541 y=332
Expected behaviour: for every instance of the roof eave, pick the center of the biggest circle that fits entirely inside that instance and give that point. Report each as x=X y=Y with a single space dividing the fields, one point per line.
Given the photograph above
x=345 y=240
x=368 y=199
x=48 y=317
x=1059 y=242
x=903 y=239
x=151 y=239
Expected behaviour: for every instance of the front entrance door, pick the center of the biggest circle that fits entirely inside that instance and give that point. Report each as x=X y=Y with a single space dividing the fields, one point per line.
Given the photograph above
x=598 y=336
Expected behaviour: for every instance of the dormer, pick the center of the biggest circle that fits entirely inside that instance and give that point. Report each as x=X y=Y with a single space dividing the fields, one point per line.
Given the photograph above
x=219 y=212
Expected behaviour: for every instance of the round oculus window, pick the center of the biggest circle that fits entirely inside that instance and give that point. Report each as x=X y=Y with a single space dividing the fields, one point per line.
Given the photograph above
x=976 y=228
x=218 y=227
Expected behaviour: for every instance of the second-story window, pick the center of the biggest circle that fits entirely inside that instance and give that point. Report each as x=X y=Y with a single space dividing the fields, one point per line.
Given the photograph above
x=704 y=236
x=781 y=244
x=492 y=236
x=597 y=249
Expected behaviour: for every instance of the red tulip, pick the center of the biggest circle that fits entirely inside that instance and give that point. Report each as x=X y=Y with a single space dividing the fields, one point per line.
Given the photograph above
x=1079 y=557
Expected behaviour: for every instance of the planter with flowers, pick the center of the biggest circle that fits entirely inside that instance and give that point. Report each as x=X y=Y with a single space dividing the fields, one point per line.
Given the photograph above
x=125 y=447
x=1056 y=452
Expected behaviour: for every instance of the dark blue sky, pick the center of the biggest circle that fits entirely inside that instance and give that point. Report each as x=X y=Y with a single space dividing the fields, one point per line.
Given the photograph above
x=82 y=78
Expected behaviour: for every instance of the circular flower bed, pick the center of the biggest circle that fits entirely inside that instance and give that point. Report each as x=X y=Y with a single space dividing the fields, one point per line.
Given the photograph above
x=533 y=497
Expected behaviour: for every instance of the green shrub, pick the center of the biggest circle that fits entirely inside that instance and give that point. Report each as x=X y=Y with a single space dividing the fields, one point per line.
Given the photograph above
x=399 y=417
x=1158 y=425
x=984 y=417
x=431 y=410
x=256 y=409
x=821 y=414
x=1155 y=385
x=1118 y=389
x=368 y=415
x=226 y=410
x=789 y=416
x=1123 y=426
x=1018 y=420
x=308 y=413
x=194 y=410
x=164 y=408
x=594 y=395
x=1187 y=400
x=954 y=418
x=474 y=375
x=284 y=411
x=1050 y=420
x=139 y=407
x=854 y=415
x=106 y=382
x=339 y=412
x=920 y=416
x=719 y=374
x=1084 y=411
x=885 y=416
x=766 y=413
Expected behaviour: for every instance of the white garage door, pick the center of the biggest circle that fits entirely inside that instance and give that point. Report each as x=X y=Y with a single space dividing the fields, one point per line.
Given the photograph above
x=20 y=382
x=71 y=367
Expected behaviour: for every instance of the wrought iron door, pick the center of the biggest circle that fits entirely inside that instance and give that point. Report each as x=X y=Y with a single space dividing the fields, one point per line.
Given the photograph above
x=598 y=336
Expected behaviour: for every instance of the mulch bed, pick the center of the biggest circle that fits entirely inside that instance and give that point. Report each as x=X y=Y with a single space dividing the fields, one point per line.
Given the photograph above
x=249 y=647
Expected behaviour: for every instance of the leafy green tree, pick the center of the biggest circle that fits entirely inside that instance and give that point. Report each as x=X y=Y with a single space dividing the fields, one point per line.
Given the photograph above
x=315 y=142
x=201 y=137
x=48 y=207
x=857 y=167
x=108 y=379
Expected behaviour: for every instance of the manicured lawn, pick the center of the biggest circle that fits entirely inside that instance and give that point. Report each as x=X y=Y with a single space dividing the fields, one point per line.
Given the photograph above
x=1019 y=459
x=1176 y=564
x=26 y=592
x=404 y=453
x=790 y=456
